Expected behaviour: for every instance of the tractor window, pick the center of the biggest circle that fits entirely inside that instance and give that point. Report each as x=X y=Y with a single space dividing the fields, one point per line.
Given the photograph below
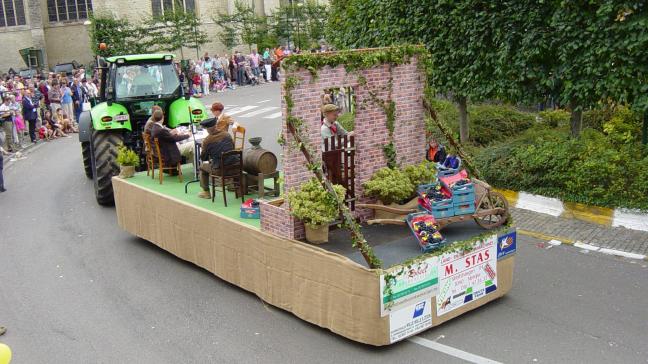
x=145 y=80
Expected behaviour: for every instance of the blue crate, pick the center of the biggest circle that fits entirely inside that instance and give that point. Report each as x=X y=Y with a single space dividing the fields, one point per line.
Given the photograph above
x=250 y=213
x=464 y=208
x=447 y=172
x=425 y=247
x=463 y=197
x=470 y=187
x=441 y=212
x=442 y=203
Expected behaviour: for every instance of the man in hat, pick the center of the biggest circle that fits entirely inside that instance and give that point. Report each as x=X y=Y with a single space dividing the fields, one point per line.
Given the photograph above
x=218 y=141
x=330 y=126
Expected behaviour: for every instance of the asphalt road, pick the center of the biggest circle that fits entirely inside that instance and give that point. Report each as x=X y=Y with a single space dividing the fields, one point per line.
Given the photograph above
x=75 y=288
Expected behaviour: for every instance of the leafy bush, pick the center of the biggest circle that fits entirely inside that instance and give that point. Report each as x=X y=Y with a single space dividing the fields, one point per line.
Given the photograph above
x=127 y=157
x=422 y=173
x=347 y=120
x=592 y=169
x=595 y=118
x=624 y=126
x=389 y=185
x=555 y=118
x=488 y=123
x=313 y=205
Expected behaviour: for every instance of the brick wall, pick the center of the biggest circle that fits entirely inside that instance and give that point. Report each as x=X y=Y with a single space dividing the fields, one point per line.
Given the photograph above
x=276 y=220
x=371 y=131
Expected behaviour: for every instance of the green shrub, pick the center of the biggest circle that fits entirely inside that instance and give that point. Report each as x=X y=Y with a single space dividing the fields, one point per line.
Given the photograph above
x=592 y=169
x=347 y=120
x=389 y=185
x=624 y=126
x=127 y=157
x=488 y=123
x=422 y=173
x=555 y=118
x=595 y=118
x=313 y=205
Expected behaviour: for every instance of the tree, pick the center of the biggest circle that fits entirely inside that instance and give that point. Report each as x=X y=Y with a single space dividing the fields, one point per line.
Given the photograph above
x=243 y=26
x=577 y=52
x=302 y=22
x=458 y=34
x=176 y=29
x=121 y=36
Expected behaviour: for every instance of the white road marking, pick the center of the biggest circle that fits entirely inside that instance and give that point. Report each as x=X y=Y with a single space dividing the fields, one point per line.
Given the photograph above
x=257 y=112
x=449 y=350
x=621 y=253
x=262 y=101
x=273 y=116
x=241 y=109
x=580 y=245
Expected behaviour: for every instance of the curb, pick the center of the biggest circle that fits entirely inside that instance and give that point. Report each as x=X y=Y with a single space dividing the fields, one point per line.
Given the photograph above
x=25 y=151
x=628 y=218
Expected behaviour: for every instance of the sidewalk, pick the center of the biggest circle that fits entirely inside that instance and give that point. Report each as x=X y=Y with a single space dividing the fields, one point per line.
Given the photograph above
x=617 y=238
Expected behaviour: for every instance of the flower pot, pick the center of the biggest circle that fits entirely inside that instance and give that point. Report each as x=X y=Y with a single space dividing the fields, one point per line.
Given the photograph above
x=317 y=234
x=126 y=171
x=379 y=214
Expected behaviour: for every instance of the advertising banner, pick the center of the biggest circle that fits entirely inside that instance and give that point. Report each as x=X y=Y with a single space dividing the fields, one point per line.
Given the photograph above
x=467 y=276
x=410 y=320
x=408 y=286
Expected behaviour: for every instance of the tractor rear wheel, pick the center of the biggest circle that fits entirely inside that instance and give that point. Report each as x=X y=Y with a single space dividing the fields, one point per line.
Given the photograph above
x=104 y=163
x=87 y=159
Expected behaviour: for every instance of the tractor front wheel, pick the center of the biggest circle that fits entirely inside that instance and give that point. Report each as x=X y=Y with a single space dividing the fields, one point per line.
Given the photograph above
x=104 y=163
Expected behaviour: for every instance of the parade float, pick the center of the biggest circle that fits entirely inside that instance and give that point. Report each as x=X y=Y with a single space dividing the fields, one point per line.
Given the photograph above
x=387 y=270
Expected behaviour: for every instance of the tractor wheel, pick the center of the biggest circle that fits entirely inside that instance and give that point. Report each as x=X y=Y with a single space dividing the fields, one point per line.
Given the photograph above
x=104 y=164
x=87 y=159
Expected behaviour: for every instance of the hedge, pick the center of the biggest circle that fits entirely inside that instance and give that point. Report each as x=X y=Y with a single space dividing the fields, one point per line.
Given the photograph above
x=489 y=123
x=593 y=169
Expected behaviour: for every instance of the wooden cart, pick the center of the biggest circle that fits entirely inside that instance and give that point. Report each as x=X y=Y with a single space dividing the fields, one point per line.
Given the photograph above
x=491 y=210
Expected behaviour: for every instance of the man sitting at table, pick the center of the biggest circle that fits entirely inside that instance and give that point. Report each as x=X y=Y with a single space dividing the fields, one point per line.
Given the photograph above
x=167 y=140
x=218 y=141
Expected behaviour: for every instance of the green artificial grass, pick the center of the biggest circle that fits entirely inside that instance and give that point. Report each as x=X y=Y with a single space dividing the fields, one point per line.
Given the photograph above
x=173 y=188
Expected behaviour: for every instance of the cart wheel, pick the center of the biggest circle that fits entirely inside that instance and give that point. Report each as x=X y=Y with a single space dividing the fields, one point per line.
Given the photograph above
x=492 y=200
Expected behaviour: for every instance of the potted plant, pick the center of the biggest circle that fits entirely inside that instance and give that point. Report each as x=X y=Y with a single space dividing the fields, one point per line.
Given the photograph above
x=397 y=188
x=316 y=208
x=420 y=174
x=127 y=160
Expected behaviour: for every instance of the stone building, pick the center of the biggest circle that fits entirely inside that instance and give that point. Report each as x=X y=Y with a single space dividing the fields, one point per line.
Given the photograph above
x=57 y=30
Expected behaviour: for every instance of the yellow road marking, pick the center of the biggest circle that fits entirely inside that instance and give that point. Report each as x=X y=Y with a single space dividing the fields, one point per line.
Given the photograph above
x=541 y=236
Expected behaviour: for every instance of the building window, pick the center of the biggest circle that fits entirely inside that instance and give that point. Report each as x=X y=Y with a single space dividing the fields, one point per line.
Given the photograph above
x=68 y=10
x=12 y=13
x=160 y=6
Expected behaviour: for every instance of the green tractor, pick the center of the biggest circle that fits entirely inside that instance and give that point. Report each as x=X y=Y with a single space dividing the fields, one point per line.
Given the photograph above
x=130 y=86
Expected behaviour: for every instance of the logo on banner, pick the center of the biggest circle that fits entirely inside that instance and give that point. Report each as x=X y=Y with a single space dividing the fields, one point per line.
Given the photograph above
x=418 y=311
x=506 y=245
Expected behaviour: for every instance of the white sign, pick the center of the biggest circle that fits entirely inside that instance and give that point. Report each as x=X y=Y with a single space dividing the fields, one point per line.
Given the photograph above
x=410 y=320
x=410 y=285
x=465 y=277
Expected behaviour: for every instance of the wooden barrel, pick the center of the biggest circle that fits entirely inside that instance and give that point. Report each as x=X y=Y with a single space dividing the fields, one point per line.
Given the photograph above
x=259 y=160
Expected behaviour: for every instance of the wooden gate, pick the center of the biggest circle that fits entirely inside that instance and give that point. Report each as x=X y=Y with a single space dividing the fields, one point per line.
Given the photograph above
x=338 y=157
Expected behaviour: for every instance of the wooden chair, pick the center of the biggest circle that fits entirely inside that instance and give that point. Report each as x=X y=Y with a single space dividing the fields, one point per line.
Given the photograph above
x=150 y=160
x=238 y=135
x=231 y=173
x=160 y=163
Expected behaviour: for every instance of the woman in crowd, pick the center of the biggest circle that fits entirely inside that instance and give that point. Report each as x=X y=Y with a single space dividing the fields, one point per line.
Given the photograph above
x=66 y=100
x=19 y=122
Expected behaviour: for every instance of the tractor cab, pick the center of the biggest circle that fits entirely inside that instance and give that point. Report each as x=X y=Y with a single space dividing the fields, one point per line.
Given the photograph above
x=130 y=86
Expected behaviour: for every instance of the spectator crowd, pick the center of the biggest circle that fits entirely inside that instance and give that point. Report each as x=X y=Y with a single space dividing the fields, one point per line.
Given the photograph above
x=44 y=107
x=217 y=73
